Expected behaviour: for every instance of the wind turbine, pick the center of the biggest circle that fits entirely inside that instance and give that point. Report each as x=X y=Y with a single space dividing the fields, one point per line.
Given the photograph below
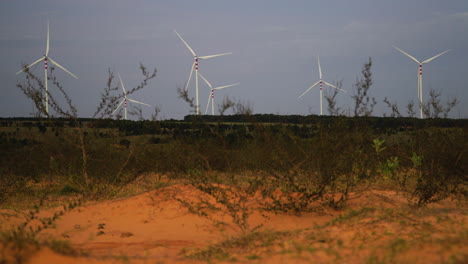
x=420 y=93
x=124 y=101
x=195 y=68
x=211 y=94
x=46 y=58
x=320 y=82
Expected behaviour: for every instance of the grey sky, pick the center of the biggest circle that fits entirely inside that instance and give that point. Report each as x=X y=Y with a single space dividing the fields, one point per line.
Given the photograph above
x=275 y=45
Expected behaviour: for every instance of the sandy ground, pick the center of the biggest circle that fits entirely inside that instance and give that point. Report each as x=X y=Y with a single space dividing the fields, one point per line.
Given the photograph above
x=181 y=224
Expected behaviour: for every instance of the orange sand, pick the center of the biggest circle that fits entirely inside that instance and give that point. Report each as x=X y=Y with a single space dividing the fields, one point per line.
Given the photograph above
x=154 y=227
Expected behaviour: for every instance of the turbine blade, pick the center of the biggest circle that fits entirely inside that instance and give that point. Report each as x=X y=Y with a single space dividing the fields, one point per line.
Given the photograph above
x=212 y=56
x=438 y=55
x=411 y=57
x=331 y=85
x=47 y=45
x=190 y=76
x=118 y=107
x=32 y=64
x=320 y=68
x=121 y=83
x=131 y=100
x=208 y=104
x=313 y=85
x=207 y=82
x=61 y=67
x=190 y=49
x=225 y=86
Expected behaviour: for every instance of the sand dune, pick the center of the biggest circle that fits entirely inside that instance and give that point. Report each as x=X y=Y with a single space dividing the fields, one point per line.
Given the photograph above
x=161 y=225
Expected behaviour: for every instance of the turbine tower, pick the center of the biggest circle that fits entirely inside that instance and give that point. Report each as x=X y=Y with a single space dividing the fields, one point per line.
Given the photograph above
x=195 y=68
x=320 y=82
x=124 y=101
x=211 y=94
x=46 y=58
x=420 y=90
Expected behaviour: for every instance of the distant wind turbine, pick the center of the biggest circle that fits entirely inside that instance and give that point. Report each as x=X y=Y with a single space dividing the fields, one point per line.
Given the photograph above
x=124 y=101
x=46 y=58
x=420 y=90
x=320 y=83
x=195 y=68
x=211 y=94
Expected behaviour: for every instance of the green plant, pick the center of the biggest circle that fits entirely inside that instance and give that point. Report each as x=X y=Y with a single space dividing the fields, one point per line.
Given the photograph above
x=390 y=170
x=378 y=145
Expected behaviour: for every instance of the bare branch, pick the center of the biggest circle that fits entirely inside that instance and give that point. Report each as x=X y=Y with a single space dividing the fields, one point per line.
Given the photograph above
x=363 y=103
x=393 y=107
x=330 y=97
x=227 y=103
x=183 y=94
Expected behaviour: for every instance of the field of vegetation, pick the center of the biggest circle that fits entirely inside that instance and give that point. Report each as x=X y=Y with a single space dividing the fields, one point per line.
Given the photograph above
x=375 y=190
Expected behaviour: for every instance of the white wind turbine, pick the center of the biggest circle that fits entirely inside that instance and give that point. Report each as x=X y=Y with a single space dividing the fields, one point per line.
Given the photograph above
x=320 y=82
x=195 y=68
x=420 y=92
x=46 y=58
x=211 y=94
x=124 y=101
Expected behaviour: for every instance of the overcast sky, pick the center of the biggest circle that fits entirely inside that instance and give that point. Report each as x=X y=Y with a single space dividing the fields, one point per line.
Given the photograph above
x=275 y=45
